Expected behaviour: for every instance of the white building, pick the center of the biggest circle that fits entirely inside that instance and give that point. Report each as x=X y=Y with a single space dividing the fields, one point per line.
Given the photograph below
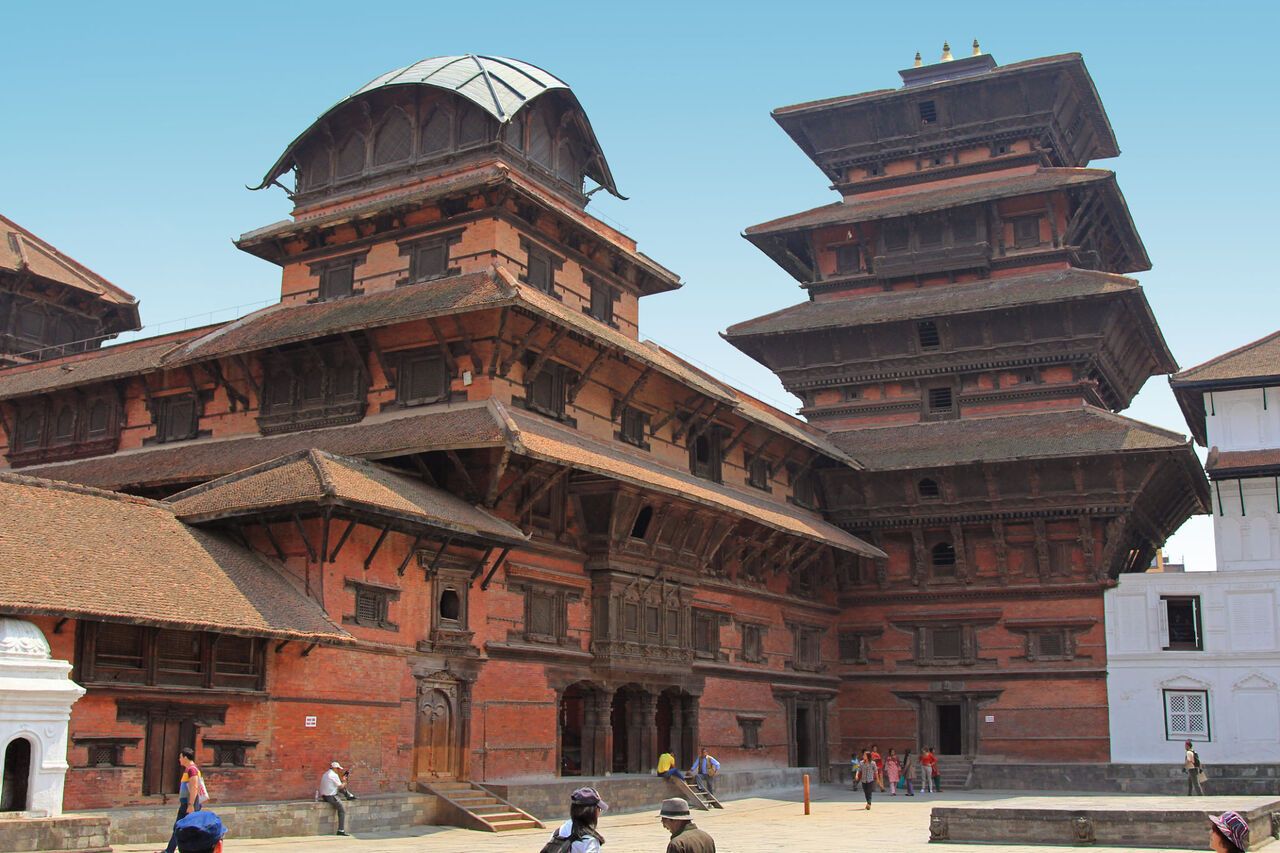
x=1196 y=655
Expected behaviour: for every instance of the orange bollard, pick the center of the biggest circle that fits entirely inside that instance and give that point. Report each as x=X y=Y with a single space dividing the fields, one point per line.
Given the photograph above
x=806 y=793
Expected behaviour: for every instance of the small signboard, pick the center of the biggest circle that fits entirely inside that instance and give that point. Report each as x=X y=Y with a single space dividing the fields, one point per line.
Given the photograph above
x=310 y=722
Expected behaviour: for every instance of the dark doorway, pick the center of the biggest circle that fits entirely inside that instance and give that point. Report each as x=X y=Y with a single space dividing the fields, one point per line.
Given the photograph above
x=166 y=735
x=618 y=719
x=950 y=730
x=17 y=776
x=665 y=717
x=572 y=718
x=804 y=743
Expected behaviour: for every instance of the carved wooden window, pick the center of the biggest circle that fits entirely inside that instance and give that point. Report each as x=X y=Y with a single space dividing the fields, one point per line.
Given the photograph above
x=546 y=394
x=312 y=387
x=437 y=132
x=30 y=429
x=807 y=654
x=371 y=606
x=337 y=281
x=64 y=428
x=804 y=488
x=351 y=156
x=927 y=334
x=1186 y=715
x=943 y=560
x=31 y=323
x=758 y=472
x=473 y=126
x=750 y=731
x=928 y=489
x=1026 y=232
x=848 y=259
x=928 y=112
x=896 y=235
x=752 y=643
x=1180 y=623
x=230 y=753
x=940 y=400
x=315 y=170
x=705 y=455
x=539 y=271
x=706 y=634
x=64 y=423
x=423 y=378
x=429 y=260
x=394 y=141
x=132 y=654
x=1049 y=644
x=547 y=513
x=602 y=297
x=175 y=417
x=929 y=231
x=545 y=615
x=634 y=424
x=964 y=227
x=946 y=643
x=106 y=755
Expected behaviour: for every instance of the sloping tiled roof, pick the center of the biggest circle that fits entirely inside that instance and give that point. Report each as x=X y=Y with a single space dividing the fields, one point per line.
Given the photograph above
x=70 y=551
x=182 y=463
x=1257 y=360
x=318 y=478
x=1073 y=432
x=542 y=439
x=20 y=250
x=114 y=362
x=929 y=198
x=1236 y=463
x=942 y=300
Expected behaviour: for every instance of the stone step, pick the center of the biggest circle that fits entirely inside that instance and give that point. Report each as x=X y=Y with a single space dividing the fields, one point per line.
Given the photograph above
x=516 y=823
x=494 y=808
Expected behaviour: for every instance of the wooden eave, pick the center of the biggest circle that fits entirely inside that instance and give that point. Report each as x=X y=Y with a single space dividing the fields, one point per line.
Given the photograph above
x=1190 y=397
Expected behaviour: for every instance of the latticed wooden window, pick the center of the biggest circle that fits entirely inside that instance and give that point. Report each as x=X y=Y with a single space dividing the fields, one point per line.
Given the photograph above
x=1050 y=644
x=179 y=658
x=351 y=156
x=927 y=334
x=896 y=236
x=750 y=731
x=1026 y=232
x=852 y=646
x=473 y=126
x=706 y=634
x=104 y=755
x=237 y=661
x=229 y=755
x=943 y=560
x=601 y=302
x=758 y=472
x=429 y=260
x=337 y=281
x=120 y=646
x=538 y=271
x=394 y=141
x=542 y=614
x=546 y=393
x=633 y=427
x=946 y=643
x=848 y=259
x=175 y=418
x=64 y=425
x=1186 y=714
x=99 y=417
x=437 y=133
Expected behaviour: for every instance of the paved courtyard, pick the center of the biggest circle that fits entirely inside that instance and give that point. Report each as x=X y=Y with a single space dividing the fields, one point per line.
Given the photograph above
x=752 y=825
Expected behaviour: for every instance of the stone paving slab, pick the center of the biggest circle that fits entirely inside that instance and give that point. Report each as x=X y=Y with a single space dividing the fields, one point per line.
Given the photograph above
x=751 y=825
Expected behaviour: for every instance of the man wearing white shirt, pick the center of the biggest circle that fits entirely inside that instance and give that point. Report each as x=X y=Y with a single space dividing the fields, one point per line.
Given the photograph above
x=704 y=770
x=330 y=784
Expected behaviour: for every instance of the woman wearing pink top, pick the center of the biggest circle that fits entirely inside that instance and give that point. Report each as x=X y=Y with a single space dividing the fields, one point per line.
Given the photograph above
x=892 y=769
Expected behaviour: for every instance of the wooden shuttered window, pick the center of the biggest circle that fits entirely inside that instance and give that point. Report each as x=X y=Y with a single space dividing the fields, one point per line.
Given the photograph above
x=165 y=657
x=175 y=418
x=539 y=271
x=602 y=297
x=337 y=281
x=423 y=378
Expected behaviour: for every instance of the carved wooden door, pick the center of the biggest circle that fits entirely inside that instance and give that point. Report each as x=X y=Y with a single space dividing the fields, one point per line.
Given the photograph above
x=434 y=748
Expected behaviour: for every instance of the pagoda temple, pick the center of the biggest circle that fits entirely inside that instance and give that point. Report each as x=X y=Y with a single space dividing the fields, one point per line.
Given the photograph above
x=970 y=335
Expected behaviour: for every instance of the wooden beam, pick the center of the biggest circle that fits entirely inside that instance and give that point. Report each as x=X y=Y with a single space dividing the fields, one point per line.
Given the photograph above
x=543 y=357
x=484 y=584
x=435 y=559
x=679 y=431
x=737 y=437
x=518 y=482
x=342 y=540
x=220 y=378
x=443 y=345
x=541 y=490
x=311 y=551
x=495 y=480
x=467 y=343
x=456 y=461
x=636 y=387
x=243 y=364
x=275 y=543
x=519 y=349
x=420 y=462
x=670 y=416
x=705 y=423
x=497 y=341
x=350 y=344
x=368 y=560
x=408 y=555
x=782 y=460
x=586 y=375
x=379 y=356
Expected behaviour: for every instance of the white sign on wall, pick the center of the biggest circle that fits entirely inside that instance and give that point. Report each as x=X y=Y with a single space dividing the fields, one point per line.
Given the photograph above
x=310 y=722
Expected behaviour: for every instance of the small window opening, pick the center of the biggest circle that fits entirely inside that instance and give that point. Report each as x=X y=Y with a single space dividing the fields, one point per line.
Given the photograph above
x=848 y=259
x=928 y=488
x=927 y=332
x=938 y=159
x=940 y=400
x=450 y=605
x=928 y=112
x=641 y=526
x=1026 y=232
x=15 y=796
x=875 y=170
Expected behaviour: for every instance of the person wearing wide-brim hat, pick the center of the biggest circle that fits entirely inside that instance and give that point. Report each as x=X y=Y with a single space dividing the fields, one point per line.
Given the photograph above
x=579 y=830
x=685 y=836
x=1230 y=833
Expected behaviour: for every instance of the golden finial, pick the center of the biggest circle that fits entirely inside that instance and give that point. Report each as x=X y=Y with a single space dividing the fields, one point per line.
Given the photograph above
x=946 y=52
x=977 y=51
x=918 y=61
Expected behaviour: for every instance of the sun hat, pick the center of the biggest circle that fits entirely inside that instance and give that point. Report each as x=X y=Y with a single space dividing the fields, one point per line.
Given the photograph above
x=1234 y=827
x=588 y=797
x=333 y=765
x=199 y=831
x=675 y=808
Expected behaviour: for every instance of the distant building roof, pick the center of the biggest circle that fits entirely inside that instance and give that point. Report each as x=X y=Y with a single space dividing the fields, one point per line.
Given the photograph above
x=1084 y=431
x=1254 y=365
x=135 y=562
x=1242 y=464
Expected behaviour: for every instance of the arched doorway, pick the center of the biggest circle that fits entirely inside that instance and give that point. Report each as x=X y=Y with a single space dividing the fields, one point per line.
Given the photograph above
x=573 y=713
x=15 y=784
x=434 y=752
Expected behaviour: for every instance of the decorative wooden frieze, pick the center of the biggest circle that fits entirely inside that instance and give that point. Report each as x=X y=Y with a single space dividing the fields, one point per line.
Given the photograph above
x=1002 y=552
x=1042 y=548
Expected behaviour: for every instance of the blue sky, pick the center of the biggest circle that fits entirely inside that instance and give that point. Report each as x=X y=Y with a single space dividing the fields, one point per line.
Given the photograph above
x=128 y=132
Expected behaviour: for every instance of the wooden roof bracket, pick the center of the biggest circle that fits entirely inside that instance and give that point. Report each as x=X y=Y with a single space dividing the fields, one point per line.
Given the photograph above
x=311 y=551
x=368 y=560
x=636 y=387
x=467 y=343
x=517 y=483
x=388 y=372
x=342 y=540
x=220 y=379
x=572 y=394
x=502 y=557
x=435 y=559
x=495 y=480
x=275 y=543
x=671 y=415
x=737 y=437
x=443 y=345
x=468 y=483
x=679 y=431
x=408 y=555
x=497 y=341
x=350 y=344
x=505 y=367
x=543 y=357
x=541 y=490
x=243 y=364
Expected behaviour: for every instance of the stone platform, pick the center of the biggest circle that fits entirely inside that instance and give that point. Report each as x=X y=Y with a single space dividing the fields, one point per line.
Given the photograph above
x=1083 y=820
x=64 y=834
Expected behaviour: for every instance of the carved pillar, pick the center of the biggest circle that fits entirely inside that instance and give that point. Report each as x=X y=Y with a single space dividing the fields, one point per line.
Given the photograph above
x=676 y=733
x=1042 y=548
x=463 y=740
x=920 y=563
x=962 y=553
x=597 y=737
x=645 y=733
x=1002 y=552
x=821 y=708
x=691 y=743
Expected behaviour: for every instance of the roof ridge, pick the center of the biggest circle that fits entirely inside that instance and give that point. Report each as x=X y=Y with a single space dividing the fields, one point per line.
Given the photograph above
x=316 y=459
x=237 y=476
x=69 y=263
x=1218 y=359
x=76 y=488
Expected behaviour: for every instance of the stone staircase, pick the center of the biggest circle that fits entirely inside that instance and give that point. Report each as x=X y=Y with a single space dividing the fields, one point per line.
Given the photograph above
x=470 y=806
x=955 y=772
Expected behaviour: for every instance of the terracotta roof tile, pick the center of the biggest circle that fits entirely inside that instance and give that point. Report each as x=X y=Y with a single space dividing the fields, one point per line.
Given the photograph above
x=1235 y=463
x=929 y=198
x=971 y=297
x=318 y=478
x=1074 y=432
x=20 y=250
x=183 y=463
x=113 y=362
x=134 y=561
x=542 y=439
x=1257 y=360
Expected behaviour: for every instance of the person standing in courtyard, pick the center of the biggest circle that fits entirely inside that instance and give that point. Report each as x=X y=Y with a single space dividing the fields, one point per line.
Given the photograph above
x=1230 y=833
x=927 y=763
x=908 y=767
x=191 y=792
x=892 y=770
x=704 y=769
x=1191 y=764
x=879 y=760
x=685 y=836
x=330 y=785
x=867 y=775
x=585 y=807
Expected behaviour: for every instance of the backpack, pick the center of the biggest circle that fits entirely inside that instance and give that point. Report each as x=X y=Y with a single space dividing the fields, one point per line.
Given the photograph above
x=562 y=845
